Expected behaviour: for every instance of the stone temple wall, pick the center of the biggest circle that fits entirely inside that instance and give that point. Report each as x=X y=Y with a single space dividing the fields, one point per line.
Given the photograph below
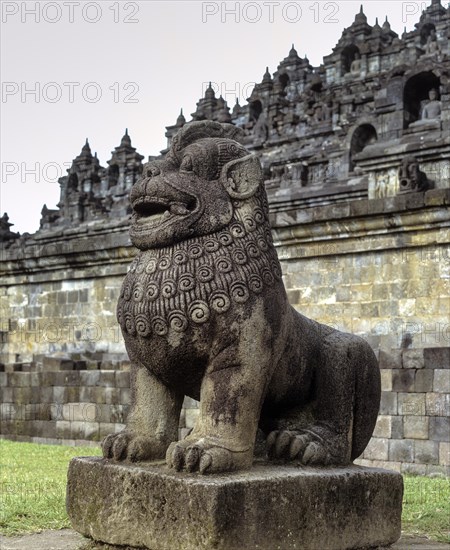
x=79 y=407
x=377 y=268
x=355 y=155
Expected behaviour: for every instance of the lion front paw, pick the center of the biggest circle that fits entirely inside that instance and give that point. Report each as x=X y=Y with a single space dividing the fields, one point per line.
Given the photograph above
x=127 y=445
x=206 y=456
x=306 y=447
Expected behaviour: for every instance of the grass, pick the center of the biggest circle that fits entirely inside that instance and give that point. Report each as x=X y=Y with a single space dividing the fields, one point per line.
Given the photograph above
x=33 y=488
x=426 y=507
x=33 y=485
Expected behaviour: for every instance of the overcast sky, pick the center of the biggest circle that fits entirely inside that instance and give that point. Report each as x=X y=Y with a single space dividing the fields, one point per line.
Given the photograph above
x=99 y=67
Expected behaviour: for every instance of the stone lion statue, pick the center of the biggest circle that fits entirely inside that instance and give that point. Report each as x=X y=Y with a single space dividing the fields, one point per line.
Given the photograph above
x=204 y=313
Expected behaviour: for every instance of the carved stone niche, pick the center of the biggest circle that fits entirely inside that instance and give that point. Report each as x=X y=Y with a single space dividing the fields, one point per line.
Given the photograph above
x=411 y=178
x=275 y=177
x=298 y=174
x=422 y=106
x=317 y=173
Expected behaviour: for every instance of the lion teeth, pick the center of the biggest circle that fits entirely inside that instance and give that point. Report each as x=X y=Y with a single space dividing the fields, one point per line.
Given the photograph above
x=153 y=219
x=178 y=210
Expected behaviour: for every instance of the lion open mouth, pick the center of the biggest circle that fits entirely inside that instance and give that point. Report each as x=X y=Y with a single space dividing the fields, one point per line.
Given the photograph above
x=152 y=213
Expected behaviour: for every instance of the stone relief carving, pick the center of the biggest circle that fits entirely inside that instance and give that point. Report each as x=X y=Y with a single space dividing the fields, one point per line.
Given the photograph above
x=393 y=181
x=382 y=184
x=204 y=313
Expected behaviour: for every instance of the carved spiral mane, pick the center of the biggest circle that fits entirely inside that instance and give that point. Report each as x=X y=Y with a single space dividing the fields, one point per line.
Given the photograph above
x=175 y=287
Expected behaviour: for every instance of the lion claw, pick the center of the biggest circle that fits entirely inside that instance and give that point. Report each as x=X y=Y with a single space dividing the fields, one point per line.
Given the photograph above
x=126 y=445
x=204 y=457
x=304 y=447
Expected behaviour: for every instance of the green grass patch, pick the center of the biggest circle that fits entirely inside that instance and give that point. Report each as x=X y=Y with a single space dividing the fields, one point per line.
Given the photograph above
x=33 y=481
x=33 y=490
x=426 y=507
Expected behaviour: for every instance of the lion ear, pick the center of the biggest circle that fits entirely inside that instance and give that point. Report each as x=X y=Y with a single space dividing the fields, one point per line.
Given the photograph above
x=241 y=177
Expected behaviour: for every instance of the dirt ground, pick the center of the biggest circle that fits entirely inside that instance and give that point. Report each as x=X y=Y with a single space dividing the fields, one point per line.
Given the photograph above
x=67 y=539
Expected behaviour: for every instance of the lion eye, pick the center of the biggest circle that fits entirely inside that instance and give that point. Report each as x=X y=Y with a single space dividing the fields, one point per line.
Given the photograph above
x=153 y=171
x=186 y=164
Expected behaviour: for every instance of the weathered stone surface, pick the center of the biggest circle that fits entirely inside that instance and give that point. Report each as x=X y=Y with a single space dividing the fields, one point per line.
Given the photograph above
x=388 y=404
x=426 y=452
x=386 y=380
x=377 y=449
x=65 y=279
x=415 y=427
x=441 y=382
x=401 y=450
x=383 y=427
x=413 y=359
x=57 y=363
x=403 y=380
x=391 y=359
x=444 y=453
x=204 y=313
x=397 y=427
x=411 y=404
x=437 y=358
x=440 y=428
x=268 y=507
x=423 y=381
x=438 y=404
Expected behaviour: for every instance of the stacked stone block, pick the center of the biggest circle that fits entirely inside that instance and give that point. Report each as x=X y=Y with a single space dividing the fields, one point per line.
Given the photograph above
x=70 y=401
x=386 y=285
x=412 y=434
x=67 y=316
x=81 y=407
x=65 y=405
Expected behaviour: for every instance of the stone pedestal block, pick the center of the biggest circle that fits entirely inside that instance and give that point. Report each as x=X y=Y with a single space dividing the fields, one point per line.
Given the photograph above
x=268 y=507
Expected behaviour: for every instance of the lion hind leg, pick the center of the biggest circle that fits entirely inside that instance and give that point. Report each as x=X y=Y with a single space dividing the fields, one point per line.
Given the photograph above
x=325 y=434
x=304 y=446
